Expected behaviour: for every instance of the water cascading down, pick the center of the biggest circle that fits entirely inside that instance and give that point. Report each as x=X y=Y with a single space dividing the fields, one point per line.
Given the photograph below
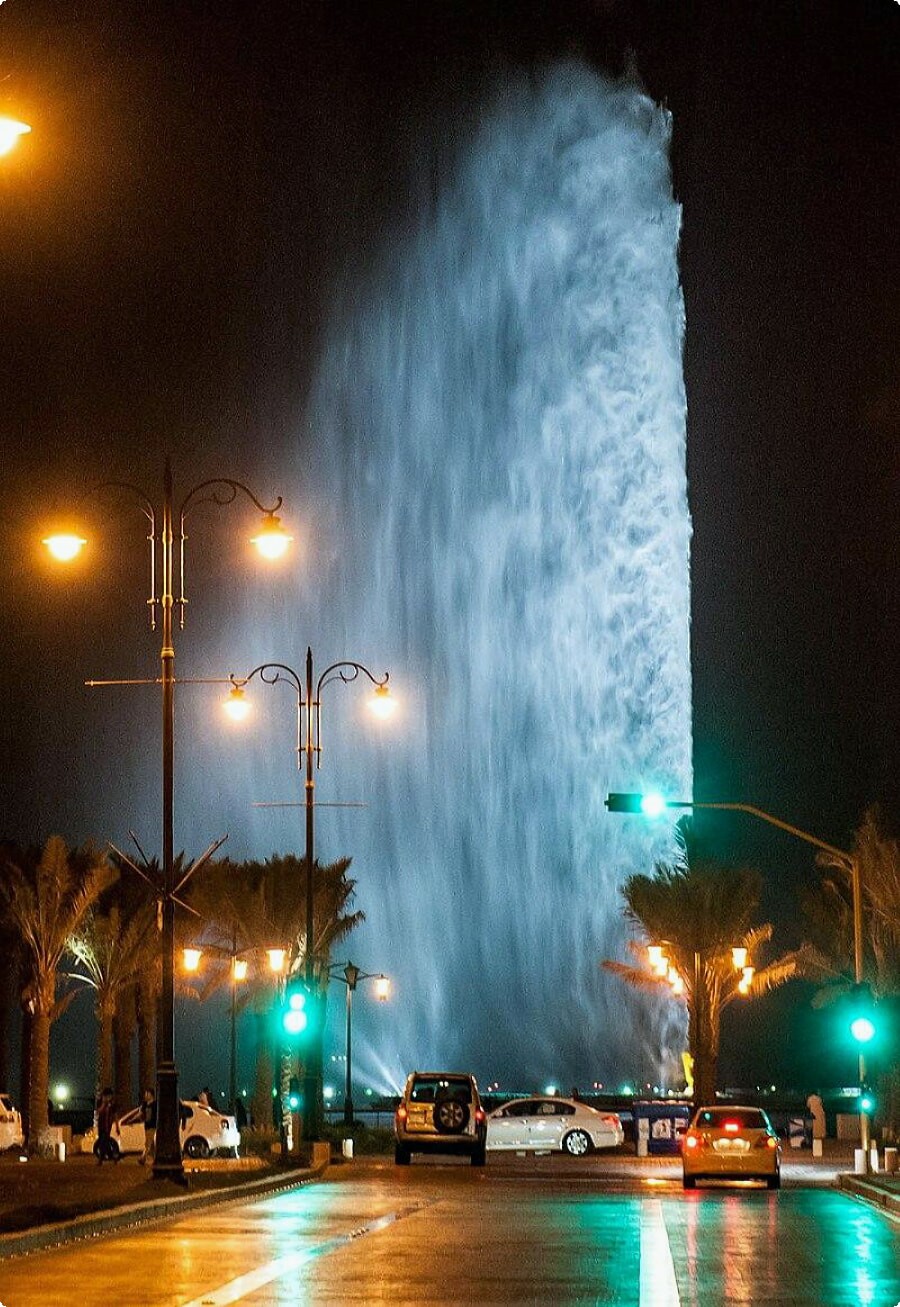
x=497 y=432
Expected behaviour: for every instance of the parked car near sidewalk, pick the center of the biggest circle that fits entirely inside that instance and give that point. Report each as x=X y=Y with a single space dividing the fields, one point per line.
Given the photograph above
x=548 y=1123
x=204 y=1131
x=10 y=1125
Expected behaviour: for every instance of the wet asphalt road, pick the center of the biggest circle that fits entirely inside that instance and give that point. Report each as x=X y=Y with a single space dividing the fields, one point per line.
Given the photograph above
x=522 y=1230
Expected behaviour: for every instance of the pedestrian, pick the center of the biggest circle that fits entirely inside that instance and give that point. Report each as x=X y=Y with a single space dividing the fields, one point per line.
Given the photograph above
x=107 y=1150
x=148 y=1116
x=203 y=1097
x=240 y=1113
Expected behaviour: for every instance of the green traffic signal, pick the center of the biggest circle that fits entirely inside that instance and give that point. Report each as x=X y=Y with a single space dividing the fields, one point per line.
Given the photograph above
x=294 y=1094
x=867 y=1100
x=651 y=804
x=862 y=1014
x=294 y=1017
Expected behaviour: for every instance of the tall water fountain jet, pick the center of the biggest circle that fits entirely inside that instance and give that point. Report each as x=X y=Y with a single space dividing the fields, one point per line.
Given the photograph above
x=498 y=425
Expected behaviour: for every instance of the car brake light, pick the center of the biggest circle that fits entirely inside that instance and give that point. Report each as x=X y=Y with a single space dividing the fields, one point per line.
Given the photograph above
x=612 y=1121
x=771 y=1141
x=731 y=1127
x=691 y=1141
x=401 y=1113
x=479 y=1114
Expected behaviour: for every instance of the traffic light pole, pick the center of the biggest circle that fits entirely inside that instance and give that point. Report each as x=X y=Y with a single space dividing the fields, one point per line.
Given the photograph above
x=635 y=803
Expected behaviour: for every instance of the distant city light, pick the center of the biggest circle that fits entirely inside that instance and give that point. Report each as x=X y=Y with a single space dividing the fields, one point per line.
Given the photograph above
x=328 y=1093
x=551 y=1090
x=61 y=1093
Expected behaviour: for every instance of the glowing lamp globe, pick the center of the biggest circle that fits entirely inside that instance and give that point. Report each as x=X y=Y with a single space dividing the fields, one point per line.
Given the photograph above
x=65 y=546
x=237 y=705
x=271 y=539
x=10 y=132
x=381 y=703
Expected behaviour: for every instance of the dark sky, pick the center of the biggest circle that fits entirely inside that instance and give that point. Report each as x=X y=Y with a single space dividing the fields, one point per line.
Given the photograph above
x=199 y=172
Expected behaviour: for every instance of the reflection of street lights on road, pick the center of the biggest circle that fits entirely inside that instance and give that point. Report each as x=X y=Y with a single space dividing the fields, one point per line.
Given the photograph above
x=351 y=976
x=162 y=538
x=309 y=744
x=655 y=805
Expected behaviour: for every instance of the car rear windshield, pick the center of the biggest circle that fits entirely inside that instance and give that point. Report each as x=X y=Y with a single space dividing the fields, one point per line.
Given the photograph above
x=746 y=1118
x=426 y=1089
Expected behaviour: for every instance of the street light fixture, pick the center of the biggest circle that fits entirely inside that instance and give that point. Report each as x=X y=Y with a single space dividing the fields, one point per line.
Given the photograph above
x=309 y=747
x=239 y=967
x=11 y=131
x=163 y=537
x=631 y=802
x=351 y=976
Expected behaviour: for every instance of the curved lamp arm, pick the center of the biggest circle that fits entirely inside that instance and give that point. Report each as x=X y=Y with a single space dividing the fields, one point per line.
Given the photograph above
x=221 y=491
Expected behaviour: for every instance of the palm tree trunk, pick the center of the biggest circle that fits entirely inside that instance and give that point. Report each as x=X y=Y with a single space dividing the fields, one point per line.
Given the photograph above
x=104 y=1051
x=38 y=1089
x=263 y=1079
x=146 y=1027
x=123 y=1033
x=25 y=1068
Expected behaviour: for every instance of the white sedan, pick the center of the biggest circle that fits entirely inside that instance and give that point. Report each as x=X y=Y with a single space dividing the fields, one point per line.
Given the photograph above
x=551 y=1123
x=203 y=1131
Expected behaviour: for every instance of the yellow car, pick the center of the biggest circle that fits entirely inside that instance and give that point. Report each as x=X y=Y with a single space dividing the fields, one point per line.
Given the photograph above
x=730 y=1143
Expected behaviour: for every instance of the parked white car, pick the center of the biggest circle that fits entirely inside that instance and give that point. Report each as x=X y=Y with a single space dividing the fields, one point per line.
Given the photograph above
x=544 y=1124
x=10 y=1125
x=203 y=1131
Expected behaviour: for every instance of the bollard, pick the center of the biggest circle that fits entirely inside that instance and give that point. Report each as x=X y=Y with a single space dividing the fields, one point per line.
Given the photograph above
x=890 y=1160
x=347 y=1148
x=817 y=1148
x=873 y=1159
x=61 y=1150
x=859 y=1161
x=642 y=1145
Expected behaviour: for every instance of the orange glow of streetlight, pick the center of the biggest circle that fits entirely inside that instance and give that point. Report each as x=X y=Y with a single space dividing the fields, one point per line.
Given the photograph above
x=382 y=988
x=381 y=704
x=271 y=539
x=64 y=546
x=240 y=968
x=276 y=959
x=10 y=132
x=237 y=705
x=192 y=958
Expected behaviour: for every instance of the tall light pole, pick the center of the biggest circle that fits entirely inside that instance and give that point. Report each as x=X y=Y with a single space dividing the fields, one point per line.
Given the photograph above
x=653 y=805
x=309 y=750
x=271 y=540
x=351 y=976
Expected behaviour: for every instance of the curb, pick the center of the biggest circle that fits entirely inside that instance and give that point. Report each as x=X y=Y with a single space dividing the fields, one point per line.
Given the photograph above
x=888 y=1199
x=110 y=1219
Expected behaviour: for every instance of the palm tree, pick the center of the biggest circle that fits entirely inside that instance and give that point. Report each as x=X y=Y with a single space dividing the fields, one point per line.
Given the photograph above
x=113 y=956
x=700 y=910
x=251 y=907
x=47 y=904
x=830 y=912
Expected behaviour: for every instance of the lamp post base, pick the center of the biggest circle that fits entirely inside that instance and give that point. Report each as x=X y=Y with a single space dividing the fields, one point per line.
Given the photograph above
x=167 y=1163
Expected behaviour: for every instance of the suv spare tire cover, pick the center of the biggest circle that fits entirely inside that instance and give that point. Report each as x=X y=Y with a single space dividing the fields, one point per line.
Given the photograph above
x=451 y=1116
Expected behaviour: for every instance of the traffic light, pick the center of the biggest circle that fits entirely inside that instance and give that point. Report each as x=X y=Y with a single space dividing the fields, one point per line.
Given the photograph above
x=296 y=1010
x=294 y=1094
x=867 y=1100
x=862 y=1014
x=650 y=805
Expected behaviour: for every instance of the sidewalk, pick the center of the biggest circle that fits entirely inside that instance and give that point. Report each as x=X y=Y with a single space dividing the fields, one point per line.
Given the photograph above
x=43 y=1203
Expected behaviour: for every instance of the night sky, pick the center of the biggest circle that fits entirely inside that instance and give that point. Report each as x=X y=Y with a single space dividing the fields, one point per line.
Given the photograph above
x=199 y=174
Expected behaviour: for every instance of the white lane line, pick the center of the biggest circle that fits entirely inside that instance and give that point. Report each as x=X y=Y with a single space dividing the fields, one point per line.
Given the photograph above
x=236 y=1289
x=659 y=1287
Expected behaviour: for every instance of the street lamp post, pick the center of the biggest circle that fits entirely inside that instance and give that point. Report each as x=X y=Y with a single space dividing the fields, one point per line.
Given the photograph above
x=351 y=976
x=220 y=490
x=309 y=748
x=655 y=805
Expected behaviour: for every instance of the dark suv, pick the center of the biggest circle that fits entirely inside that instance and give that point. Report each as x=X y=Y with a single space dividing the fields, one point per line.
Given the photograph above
x=440 y=1112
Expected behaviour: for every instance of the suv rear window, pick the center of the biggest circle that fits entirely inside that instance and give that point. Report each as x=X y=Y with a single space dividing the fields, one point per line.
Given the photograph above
x=425 y=1089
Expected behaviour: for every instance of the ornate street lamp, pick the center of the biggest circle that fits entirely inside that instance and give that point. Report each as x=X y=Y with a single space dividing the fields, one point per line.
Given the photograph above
x=351 y=976
x=309 y=746
x=164 y=539
x=11 y=131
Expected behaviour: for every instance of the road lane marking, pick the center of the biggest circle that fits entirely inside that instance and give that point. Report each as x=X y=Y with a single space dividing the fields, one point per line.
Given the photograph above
x=238 y=1288
x=658 y=1286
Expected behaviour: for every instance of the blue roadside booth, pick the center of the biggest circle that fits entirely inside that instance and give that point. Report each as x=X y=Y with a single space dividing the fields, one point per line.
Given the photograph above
x=659 y=1125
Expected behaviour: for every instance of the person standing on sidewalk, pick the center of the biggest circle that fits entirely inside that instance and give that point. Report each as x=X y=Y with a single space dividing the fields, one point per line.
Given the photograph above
x=148 y=1116
x=106 y=1115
